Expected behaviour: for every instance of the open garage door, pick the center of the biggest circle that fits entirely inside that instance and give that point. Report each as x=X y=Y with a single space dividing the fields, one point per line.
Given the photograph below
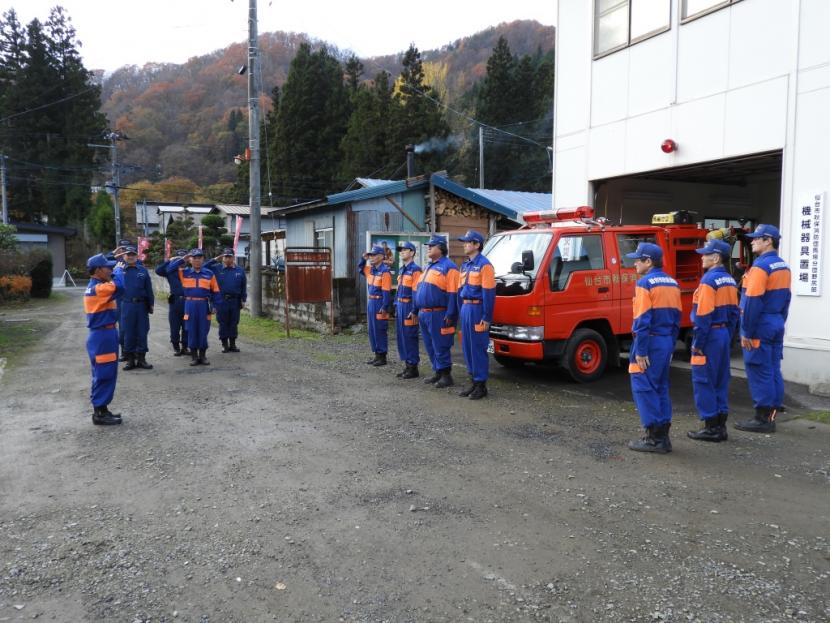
x=717 y=193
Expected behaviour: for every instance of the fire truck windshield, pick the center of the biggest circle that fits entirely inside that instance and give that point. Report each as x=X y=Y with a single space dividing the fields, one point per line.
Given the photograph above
x=505 y=253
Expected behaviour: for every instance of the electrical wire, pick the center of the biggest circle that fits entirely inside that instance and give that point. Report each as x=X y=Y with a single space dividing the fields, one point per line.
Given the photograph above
x=60 y=101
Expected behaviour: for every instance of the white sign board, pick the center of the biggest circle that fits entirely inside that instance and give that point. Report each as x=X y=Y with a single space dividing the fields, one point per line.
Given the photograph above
x=808 y=240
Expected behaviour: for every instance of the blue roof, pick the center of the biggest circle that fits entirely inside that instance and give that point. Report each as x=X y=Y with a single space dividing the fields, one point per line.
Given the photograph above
x=509 y=203
x=381 y=189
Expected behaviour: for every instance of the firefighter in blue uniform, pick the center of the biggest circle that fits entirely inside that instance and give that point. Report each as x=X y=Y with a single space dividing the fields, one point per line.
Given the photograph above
x=765 y=303
x=715 y=320
x=117 y=256
x=406 y=322
x=233 y=287
x=436 y=305
x=175 y=307
x=201 y=293
x=378 y=300
x=477 y=297
x=101 y=308
x=655 y=329
x=136 y=305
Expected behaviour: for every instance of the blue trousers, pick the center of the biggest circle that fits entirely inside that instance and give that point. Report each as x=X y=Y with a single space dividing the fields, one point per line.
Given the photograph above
x=438 y=339
x=763 y=371
x=407 y=334
x=378 y=327
x=651 y=388
x=102 y=348
x=197 y=324
x=710 y=375
x=227 y=313
x=474 y=342
x=175 y=318
x=135 y=325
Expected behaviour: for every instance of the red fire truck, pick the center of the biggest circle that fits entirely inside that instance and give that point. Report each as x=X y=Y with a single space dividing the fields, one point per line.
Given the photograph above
x=564 y=287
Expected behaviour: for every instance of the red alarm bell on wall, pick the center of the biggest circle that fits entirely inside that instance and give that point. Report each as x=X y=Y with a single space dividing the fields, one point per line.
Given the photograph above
x=668 y=146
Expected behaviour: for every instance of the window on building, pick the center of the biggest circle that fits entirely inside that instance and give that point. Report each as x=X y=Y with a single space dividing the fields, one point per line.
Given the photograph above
x=619 y=23
x=573 y=254
x=698 y=8
x=324 y=239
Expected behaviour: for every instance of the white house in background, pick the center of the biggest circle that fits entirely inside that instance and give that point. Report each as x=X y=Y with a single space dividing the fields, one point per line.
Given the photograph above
x=742 y=88
x=152 y=216
x=270 y=227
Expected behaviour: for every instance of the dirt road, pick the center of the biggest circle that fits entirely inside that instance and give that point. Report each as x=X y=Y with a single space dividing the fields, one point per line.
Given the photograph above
x=291 y=482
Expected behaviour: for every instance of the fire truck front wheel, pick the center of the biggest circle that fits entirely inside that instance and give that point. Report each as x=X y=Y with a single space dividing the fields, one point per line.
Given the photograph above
x=586 y=356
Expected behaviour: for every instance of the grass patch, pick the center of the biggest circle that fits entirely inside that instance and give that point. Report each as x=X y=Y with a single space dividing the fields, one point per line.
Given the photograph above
x=818 y=416
x=19 y=333
x=268 y=330
x=17 y=337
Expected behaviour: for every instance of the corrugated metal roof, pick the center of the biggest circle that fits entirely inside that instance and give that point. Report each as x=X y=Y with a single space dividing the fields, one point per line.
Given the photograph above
x=509 y=203
x=379 y=190
x=368 y=182
x=242 y=210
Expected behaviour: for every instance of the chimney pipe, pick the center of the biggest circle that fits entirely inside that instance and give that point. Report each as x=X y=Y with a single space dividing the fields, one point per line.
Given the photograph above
x=410 y=161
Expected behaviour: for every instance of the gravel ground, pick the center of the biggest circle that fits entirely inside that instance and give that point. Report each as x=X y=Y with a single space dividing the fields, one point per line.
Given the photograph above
x=291 y=482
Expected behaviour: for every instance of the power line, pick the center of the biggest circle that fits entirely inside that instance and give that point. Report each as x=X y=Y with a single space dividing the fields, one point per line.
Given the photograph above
x=60 y=101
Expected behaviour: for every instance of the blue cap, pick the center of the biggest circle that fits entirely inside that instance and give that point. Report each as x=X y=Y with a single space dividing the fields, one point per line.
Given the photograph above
x=124 y=243
x=716 y=246
x=377 y=250
x=228 y=251
x=647 y=250
x=181 y=252
x=99 y=261
x=770 y=231
x=129 y=249
x=197 y=253
x=406 y=245
x=435 y=240
x=472 y=236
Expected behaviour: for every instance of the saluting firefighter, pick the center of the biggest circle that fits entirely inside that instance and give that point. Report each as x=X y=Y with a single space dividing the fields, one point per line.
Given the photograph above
x=378 y=299
x=715 y=320
x=233 y=286
x=406 y=321
x=136 y=306
x=101 y=308
x=436 y=305
x=117 y=256
x=201 y=293
x=477 y=295
x=655 y=329
x=765 y=303
x=175 y=306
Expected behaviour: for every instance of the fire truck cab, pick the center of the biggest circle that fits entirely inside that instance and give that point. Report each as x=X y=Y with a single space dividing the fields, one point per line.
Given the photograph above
x=564 y=287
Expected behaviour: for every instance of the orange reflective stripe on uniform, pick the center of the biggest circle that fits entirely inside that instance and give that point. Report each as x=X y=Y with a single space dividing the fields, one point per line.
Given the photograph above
x=214 y=285
x=634 y=368
x=705 y=299
x=188 y=282
x=452 y=281
x=755 y=281
x=386 y=281
x=642 y=301
x=437 y=279
x=698 y=360
x=106 y=358
x=488 y=276
x=101 y=300
x=779 y=280
x=726 y=296
x=665 y=296
x=416 y=278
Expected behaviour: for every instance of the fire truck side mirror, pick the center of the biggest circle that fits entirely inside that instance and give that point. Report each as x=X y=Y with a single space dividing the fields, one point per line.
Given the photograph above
x=528 y=262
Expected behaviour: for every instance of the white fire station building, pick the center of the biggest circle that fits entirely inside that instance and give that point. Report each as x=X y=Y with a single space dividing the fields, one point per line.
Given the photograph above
x=718 y=107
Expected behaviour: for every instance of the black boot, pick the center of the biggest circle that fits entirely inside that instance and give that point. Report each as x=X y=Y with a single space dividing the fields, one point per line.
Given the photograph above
x=433 y=379
x=177 y=351
x=380 y=361
x=763 y=422
x=724 y=435
x=225 y=348
x=203 y=357
x=142 y=362
x=106 y=411
x=124 y=356
x=401 y=373
x=194 y=357
x=445 y=380
x=711 y=430
x=372 y=361
x=232 y=347
x=479 y=391
x=101 y=416
x=656 y=439
x=468 y=390
x=411 y=372
x=130 y=361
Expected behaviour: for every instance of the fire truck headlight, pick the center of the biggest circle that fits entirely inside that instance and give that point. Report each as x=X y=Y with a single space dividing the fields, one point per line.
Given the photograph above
x=529 y=334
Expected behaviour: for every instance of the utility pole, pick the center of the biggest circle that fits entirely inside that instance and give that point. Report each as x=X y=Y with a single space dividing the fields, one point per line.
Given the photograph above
x=255 y=284
x=144 y=215
x=481 y=156
x=3 y=185
x=116 y=182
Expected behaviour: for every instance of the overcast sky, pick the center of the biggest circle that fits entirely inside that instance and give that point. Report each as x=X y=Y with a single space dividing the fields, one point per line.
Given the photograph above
x=118 y=32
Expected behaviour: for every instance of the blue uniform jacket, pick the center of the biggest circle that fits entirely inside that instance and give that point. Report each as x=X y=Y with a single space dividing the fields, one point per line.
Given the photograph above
x=138 y=287
x=100 y=301
x=439 y=288
x=657 y=309
x=766 y=298
x=379 y=280
x=172 y=278
x=478 y=283
x=408 y=281
x=232 y=281
x=715 y=303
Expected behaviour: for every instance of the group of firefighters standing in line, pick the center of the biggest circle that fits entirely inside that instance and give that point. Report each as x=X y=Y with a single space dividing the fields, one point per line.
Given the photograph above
x=433 y=301
x=435 y=298
x=119 y=299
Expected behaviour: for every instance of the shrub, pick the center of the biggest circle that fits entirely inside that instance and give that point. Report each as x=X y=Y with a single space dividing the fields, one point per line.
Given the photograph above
x=41 y=274
x=15 y=287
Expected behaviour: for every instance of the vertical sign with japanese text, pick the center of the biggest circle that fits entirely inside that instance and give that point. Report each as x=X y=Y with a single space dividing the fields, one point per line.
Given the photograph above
x=808 y=239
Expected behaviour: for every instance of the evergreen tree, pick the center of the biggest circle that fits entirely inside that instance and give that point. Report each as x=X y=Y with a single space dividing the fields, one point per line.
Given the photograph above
x=366 y=145
x=215 y=235
x=354 y=70
x=101 y=221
